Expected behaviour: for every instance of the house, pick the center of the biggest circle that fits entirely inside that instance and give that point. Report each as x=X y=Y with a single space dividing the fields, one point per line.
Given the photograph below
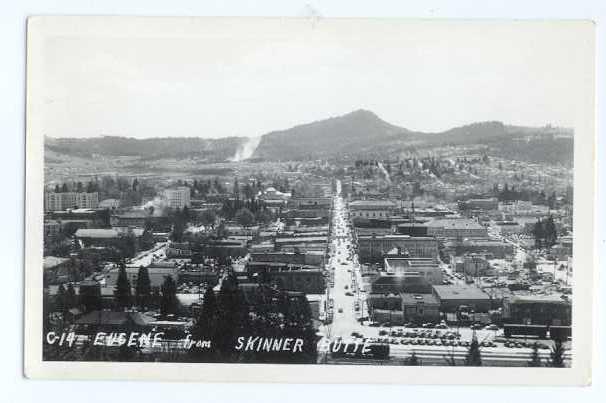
x=113 y=322
x=56 y=269
x=157 y=274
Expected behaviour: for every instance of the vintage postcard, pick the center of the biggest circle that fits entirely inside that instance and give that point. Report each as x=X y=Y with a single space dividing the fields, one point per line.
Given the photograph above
x=310 y=200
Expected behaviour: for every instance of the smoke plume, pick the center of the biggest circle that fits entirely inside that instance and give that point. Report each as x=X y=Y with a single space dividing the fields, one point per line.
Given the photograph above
x=246 y=150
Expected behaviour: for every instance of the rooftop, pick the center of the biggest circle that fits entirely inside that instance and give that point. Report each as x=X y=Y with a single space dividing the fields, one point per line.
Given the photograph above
x=459 y=292
x=409 y=299
x=371 y=204
x=455 y=223
x=50 y=262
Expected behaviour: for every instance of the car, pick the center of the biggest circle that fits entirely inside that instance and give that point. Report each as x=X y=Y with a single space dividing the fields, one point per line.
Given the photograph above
x=383 y=332
x=491 y=326
x=340 y=310
x=428 y=325
x=441 y=326
x=476 y=326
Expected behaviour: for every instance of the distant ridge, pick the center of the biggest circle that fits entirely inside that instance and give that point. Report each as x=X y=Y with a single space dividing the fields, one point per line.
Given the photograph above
x=357 y=133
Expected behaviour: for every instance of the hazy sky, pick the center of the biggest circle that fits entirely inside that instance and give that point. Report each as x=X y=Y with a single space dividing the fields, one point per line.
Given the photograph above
x=152 y=78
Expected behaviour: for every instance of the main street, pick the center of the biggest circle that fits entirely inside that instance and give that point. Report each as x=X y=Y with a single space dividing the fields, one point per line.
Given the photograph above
x=344 y=291
x=348 y=306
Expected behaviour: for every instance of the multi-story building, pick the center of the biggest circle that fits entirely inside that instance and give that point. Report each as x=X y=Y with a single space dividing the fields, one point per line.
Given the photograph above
x=372 y=208
x=427 y=268
x=480 y=204
x=54 y=201
x=178 y=198
x=372 y=249
x=304 y=278
x=456 y=228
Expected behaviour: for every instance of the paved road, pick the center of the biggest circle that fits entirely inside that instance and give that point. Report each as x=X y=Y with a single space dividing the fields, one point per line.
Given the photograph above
x=344 y=266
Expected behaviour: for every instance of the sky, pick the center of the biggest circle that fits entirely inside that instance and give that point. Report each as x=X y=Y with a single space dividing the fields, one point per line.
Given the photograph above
x=215 y=78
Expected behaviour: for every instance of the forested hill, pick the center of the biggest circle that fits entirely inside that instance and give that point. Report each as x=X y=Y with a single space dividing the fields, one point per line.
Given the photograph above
x=356 y=133
x=168 y=147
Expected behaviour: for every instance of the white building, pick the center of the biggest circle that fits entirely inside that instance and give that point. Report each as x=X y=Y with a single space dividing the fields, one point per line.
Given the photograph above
x=178 y=198
x=70 y=200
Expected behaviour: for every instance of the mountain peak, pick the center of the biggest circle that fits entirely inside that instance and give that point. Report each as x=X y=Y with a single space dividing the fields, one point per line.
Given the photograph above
x=362 y=113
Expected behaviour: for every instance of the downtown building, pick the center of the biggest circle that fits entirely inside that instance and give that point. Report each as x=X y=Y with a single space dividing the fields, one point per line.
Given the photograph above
x=178 y=198
x=54 y=201
x=374 y=248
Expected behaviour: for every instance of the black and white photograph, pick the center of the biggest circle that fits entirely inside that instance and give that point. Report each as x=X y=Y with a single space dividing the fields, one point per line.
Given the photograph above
x=309 y=192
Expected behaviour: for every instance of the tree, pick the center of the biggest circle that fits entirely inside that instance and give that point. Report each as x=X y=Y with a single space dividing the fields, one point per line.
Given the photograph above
x=71 y=300
x=208 y=218
x=263 y=216
x=90 y=298
x=178 y=226
x=64 y=188
x=143 y=287
x=60 y=305
x=231 y=317
x=168 y=303
x=473 y=358
x=244 y=217
x=535 y=359
x=551 y=233
x=557 y=355
x=539 y=234
x=206 y=322
x=122 y=292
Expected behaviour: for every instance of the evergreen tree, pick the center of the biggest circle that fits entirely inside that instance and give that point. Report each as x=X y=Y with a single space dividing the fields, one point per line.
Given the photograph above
x=206 y=323
x=231 y=316
x=122 y=292
x=169 y=303
x=473 y=358
x=143 y=287
x=178 y=226
x=550 y=232
x=208 y=218
x=535 y=359
x=244 y=217
x=539 y=234
x=557 y=355
x=71 y=300
x=60 y=305
x=90 y=298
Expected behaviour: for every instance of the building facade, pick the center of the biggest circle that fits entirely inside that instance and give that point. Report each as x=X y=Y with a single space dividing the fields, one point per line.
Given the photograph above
x=178 y=198
x=372 y=249
x=70 y=200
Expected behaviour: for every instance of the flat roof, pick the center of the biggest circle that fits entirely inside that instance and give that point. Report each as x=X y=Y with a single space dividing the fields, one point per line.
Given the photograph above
x=409 y=298
x=459 y=292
